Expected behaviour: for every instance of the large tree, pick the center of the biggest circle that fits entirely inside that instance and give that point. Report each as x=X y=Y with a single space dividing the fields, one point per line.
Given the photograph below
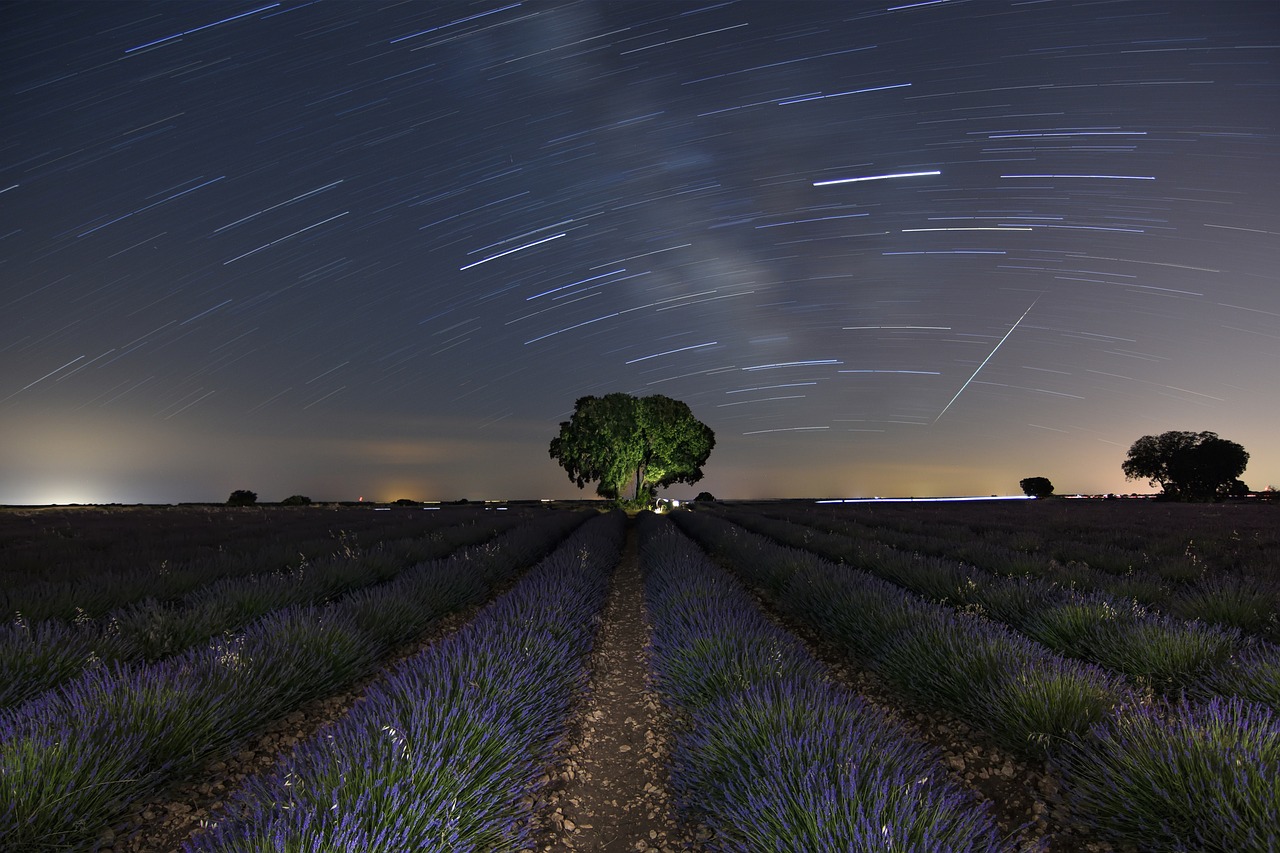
x=1186 y=465
x=635 y=444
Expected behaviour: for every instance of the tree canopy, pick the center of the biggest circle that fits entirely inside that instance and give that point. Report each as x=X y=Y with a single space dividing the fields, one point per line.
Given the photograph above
x=1187 y=465
x=636 y=444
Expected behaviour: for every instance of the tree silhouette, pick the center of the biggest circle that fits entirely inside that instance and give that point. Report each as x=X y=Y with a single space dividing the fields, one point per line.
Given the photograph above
x=242 y=497
x=1187 y=465
x=631 y=443
x=1037 y=487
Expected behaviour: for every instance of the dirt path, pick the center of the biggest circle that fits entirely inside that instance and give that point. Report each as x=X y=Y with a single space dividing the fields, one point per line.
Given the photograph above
x=610 y=794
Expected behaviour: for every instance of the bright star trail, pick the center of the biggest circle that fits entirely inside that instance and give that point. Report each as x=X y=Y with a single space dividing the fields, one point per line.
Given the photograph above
x=342 y=248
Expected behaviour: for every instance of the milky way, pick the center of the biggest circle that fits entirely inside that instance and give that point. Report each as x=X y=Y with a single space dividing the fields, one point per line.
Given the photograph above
x=355 y=248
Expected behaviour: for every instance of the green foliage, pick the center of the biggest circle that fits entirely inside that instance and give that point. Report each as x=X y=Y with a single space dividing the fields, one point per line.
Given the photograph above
x=1038 y=487
x=632 y=444
x=242 y=497
x=1187 y=465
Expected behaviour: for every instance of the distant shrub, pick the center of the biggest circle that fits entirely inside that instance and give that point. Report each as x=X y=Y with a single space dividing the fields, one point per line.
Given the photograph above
x=296 y=500
x=242 y=497
x=705 y=497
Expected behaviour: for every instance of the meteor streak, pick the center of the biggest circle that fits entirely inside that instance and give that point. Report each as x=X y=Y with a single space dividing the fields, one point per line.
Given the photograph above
x=985 y=360
x=876 y=178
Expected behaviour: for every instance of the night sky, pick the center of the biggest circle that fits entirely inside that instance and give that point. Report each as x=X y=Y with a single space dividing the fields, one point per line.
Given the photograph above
x=379 y=249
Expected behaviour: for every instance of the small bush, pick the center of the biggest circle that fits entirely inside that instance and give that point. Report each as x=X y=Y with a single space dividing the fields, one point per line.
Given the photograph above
x=1253 y=674
x=1038 y=706
x=948 y=662
x=1168 y=653
x=1073 y=628
x=1249 y=605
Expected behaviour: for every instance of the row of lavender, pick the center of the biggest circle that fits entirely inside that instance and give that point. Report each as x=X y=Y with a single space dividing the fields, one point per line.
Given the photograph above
x=770 y=754
x=67 y=543
x=72 y=760
x=1116 y=536
x=42 y=595
x=36 y=656
x=446 y=752
x=1168 y=653
x=53 y=563
x=1183 y=585
x=1162 y=775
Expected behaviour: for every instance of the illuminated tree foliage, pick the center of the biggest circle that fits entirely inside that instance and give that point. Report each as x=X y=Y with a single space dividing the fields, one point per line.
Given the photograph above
x=1187 y=465
x=636 y=444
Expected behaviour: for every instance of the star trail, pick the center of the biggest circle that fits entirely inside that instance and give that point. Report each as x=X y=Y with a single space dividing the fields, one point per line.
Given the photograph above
x=369 y=249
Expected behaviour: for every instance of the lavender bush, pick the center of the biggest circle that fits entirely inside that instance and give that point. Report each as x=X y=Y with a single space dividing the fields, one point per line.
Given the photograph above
x=1180 y=777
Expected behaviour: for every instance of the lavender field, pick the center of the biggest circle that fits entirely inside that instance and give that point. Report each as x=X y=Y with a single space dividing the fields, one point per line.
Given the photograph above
x=1052 y=675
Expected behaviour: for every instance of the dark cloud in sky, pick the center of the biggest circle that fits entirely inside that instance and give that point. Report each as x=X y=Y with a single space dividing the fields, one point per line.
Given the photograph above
x=349 y=249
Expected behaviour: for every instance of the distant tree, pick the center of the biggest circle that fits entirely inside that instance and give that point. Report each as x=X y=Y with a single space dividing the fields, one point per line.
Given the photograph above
x=296 y=500
x=1186 y=465
x=636 y=444
x=1036 y=487
x=242 y=497
x=705 y=497
x=406 y=502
